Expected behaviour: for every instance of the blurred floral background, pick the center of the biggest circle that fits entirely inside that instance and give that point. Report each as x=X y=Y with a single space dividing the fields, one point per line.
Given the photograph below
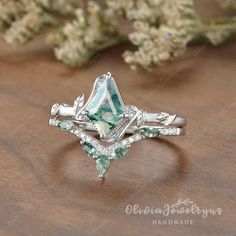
x=159 y=30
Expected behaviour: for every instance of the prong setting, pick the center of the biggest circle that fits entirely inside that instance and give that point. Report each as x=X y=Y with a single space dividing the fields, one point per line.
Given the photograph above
x=112 y=120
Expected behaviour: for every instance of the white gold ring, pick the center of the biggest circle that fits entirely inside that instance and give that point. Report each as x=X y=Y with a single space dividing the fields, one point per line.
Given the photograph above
x=106 y=114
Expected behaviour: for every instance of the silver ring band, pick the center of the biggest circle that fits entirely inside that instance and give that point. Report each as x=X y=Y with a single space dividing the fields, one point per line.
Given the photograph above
x=65 y=110
x=106 y=114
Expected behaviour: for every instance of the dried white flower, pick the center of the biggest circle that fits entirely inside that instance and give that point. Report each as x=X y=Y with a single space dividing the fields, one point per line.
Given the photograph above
x=160 y=29
x=163 y=28
x=92 y=30
x=27 y=27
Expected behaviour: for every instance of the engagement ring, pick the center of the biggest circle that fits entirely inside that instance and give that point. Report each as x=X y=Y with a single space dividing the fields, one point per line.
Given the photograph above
x=106 y=114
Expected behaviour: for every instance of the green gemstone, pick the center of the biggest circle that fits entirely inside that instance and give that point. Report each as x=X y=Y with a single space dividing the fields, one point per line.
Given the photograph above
x=151 y=132
x=89 y=149
x=66 y=125
x=102 y=164
x=121 y=152
x=106 y=107
x=54 y=122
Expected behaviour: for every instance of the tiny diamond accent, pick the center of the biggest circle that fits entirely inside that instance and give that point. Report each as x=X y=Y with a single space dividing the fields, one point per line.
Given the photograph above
x=76 y=132
x=99 y=148
x=131 y=139
x=124 y=142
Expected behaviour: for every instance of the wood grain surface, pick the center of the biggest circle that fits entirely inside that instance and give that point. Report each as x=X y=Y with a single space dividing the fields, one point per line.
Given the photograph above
x=49 y=187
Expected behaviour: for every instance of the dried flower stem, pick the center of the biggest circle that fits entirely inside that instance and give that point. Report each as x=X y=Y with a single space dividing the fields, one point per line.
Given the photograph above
x=161 y=29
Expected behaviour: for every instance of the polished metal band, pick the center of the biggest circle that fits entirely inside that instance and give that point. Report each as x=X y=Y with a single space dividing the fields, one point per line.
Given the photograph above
x=168 y=125
x=105 y=114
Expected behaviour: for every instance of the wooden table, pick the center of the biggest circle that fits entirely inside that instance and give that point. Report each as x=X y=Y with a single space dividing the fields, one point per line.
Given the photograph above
x=49 y=187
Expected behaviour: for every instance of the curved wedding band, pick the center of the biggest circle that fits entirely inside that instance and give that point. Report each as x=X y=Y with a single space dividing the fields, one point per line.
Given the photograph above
x=106 y=114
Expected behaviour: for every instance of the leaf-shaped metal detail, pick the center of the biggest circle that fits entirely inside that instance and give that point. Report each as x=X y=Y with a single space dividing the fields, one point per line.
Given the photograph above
x=165 y=118
x=78 y=104
x=169 y=120
x=55 y=108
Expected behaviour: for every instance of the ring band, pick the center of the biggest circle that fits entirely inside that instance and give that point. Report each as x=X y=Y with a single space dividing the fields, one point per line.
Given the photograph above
x=106 y=114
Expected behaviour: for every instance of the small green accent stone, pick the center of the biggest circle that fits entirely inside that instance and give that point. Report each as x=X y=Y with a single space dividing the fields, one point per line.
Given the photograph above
x=120 y=153
x=102 y=164
x=54 y=122
x=151 y=133
x=66 y=125
x=89 y=149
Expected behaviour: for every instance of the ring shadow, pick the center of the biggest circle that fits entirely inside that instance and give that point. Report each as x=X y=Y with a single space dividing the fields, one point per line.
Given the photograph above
x=116 y=189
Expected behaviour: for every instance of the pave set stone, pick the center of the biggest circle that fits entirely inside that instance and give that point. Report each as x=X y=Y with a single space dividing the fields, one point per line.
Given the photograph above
x=118 y=131
x=93 y=148
x=170 y=131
